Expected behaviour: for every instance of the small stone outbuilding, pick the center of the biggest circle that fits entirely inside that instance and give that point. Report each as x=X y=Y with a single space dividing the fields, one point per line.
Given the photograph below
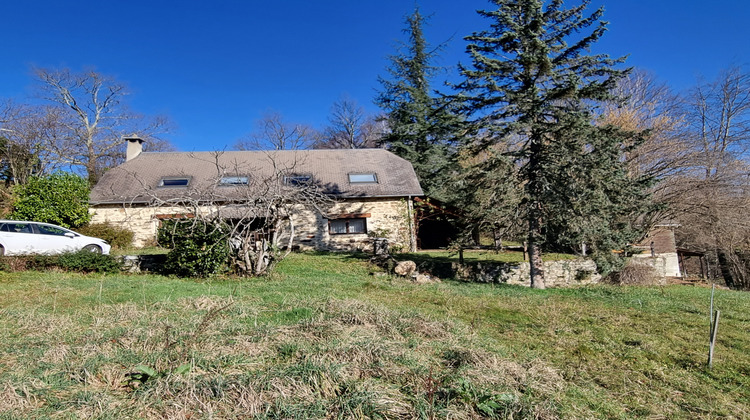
x=659 y=250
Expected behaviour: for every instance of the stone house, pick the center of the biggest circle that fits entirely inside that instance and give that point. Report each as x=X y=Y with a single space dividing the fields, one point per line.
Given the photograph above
x=372 y=192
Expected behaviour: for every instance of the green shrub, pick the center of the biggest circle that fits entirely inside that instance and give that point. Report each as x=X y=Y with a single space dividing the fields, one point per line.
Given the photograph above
x=61 y=198
x=88 y=262
x=198 y=248
x=39 y=262
x=118 y=237
x=27 y=262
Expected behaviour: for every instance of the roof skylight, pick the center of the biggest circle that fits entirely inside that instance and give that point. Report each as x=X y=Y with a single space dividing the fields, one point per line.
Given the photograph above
x=363 y=178
x=174 y=181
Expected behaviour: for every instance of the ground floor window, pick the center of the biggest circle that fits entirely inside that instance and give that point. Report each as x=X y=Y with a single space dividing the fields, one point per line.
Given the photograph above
x=348 y=225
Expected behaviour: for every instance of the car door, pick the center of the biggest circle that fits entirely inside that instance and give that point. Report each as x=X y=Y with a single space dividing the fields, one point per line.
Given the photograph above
x=18 y=238
x=54 y=239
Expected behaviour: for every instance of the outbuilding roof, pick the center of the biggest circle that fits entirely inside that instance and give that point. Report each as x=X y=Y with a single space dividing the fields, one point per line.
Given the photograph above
x=148 y=176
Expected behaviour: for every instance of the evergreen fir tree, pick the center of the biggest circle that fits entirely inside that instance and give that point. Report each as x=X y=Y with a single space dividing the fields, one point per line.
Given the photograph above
x=533 y=81
x=420 y=123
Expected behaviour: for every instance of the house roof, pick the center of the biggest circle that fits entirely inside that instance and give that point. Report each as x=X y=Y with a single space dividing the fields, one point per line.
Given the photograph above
x=138 y=180
x=662 y=240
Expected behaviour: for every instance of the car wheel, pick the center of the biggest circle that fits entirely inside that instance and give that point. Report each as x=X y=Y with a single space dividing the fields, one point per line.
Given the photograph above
x=96 y=249
x=2 y=250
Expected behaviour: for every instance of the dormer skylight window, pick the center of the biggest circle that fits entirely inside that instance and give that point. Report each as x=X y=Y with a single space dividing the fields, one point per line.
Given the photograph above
x=174 y=181
x=233 y=180
x=363 y=178
x=297 y=179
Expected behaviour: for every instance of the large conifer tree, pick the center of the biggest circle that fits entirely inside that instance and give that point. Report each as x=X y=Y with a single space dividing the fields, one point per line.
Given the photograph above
x=533 y=82
x=420 y=122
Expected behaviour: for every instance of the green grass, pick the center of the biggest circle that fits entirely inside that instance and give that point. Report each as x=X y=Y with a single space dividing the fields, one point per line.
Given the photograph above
x=322 y=338
x=151 y=250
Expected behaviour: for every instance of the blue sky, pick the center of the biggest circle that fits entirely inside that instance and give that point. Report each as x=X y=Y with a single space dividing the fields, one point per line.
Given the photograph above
x=214 y=67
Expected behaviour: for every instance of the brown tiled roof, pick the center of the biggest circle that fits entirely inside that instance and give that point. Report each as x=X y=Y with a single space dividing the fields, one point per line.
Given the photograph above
x=137 y=181
x=662 y=239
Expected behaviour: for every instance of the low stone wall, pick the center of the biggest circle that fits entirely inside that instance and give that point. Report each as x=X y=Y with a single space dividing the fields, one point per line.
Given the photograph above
x=139 y=263
x=563 y=273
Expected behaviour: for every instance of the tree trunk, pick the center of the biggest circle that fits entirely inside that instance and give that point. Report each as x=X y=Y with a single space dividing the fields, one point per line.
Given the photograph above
x=726 y=272
x=91 y=170
x=536 y=266
x=534 y=188
x=498 y=240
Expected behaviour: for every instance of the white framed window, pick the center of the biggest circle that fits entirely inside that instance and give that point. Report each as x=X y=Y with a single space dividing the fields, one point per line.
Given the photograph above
x=347 y=226
x=363 y=178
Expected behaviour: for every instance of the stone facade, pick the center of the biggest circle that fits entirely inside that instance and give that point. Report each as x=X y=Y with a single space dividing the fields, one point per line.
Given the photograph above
x=387 y=217
x=141 y=220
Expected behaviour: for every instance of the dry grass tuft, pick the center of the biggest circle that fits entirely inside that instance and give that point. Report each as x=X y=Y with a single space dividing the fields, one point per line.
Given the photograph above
x=17 y=399
x=636 y=273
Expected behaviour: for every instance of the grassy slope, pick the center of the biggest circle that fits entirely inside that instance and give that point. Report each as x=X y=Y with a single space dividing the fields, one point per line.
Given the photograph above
x=322 y=338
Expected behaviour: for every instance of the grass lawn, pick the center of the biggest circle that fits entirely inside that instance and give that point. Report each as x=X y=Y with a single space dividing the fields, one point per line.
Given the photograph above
x=322 y=338
x=140 y=251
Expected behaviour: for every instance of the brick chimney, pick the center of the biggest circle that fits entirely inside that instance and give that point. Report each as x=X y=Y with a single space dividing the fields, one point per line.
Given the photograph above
x=135 y=146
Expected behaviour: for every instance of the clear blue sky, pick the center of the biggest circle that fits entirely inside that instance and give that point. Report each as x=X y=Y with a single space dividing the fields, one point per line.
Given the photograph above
x=214 y=67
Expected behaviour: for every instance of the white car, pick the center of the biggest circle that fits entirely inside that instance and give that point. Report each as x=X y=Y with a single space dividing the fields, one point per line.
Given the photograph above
x=22 y=238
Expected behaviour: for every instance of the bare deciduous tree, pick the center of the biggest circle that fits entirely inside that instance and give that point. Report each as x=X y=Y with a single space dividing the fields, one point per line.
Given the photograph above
x=273 y=133
x=697 y=152
x=350 y=128
x=258 y=214
x=27 y=133
x=715 y=206
x=666 y=153
x=651 y=106
x=95 y=118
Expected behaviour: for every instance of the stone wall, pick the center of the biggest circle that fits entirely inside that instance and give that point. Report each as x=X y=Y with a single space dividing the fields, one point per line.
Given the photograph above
x=141 y=220
x=563 y=273
x=385 y=215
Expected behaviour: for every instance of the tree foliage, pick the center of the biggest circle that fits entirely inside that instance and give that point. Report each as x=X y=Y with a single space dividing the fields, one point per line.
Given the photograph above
x=420 y=124
x=60 y=198
x=532 y=90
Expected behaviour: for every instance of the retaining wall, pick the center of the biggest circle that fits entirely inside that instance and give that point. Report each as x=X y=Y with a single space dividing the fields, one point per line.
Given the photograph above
x=561 y=273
